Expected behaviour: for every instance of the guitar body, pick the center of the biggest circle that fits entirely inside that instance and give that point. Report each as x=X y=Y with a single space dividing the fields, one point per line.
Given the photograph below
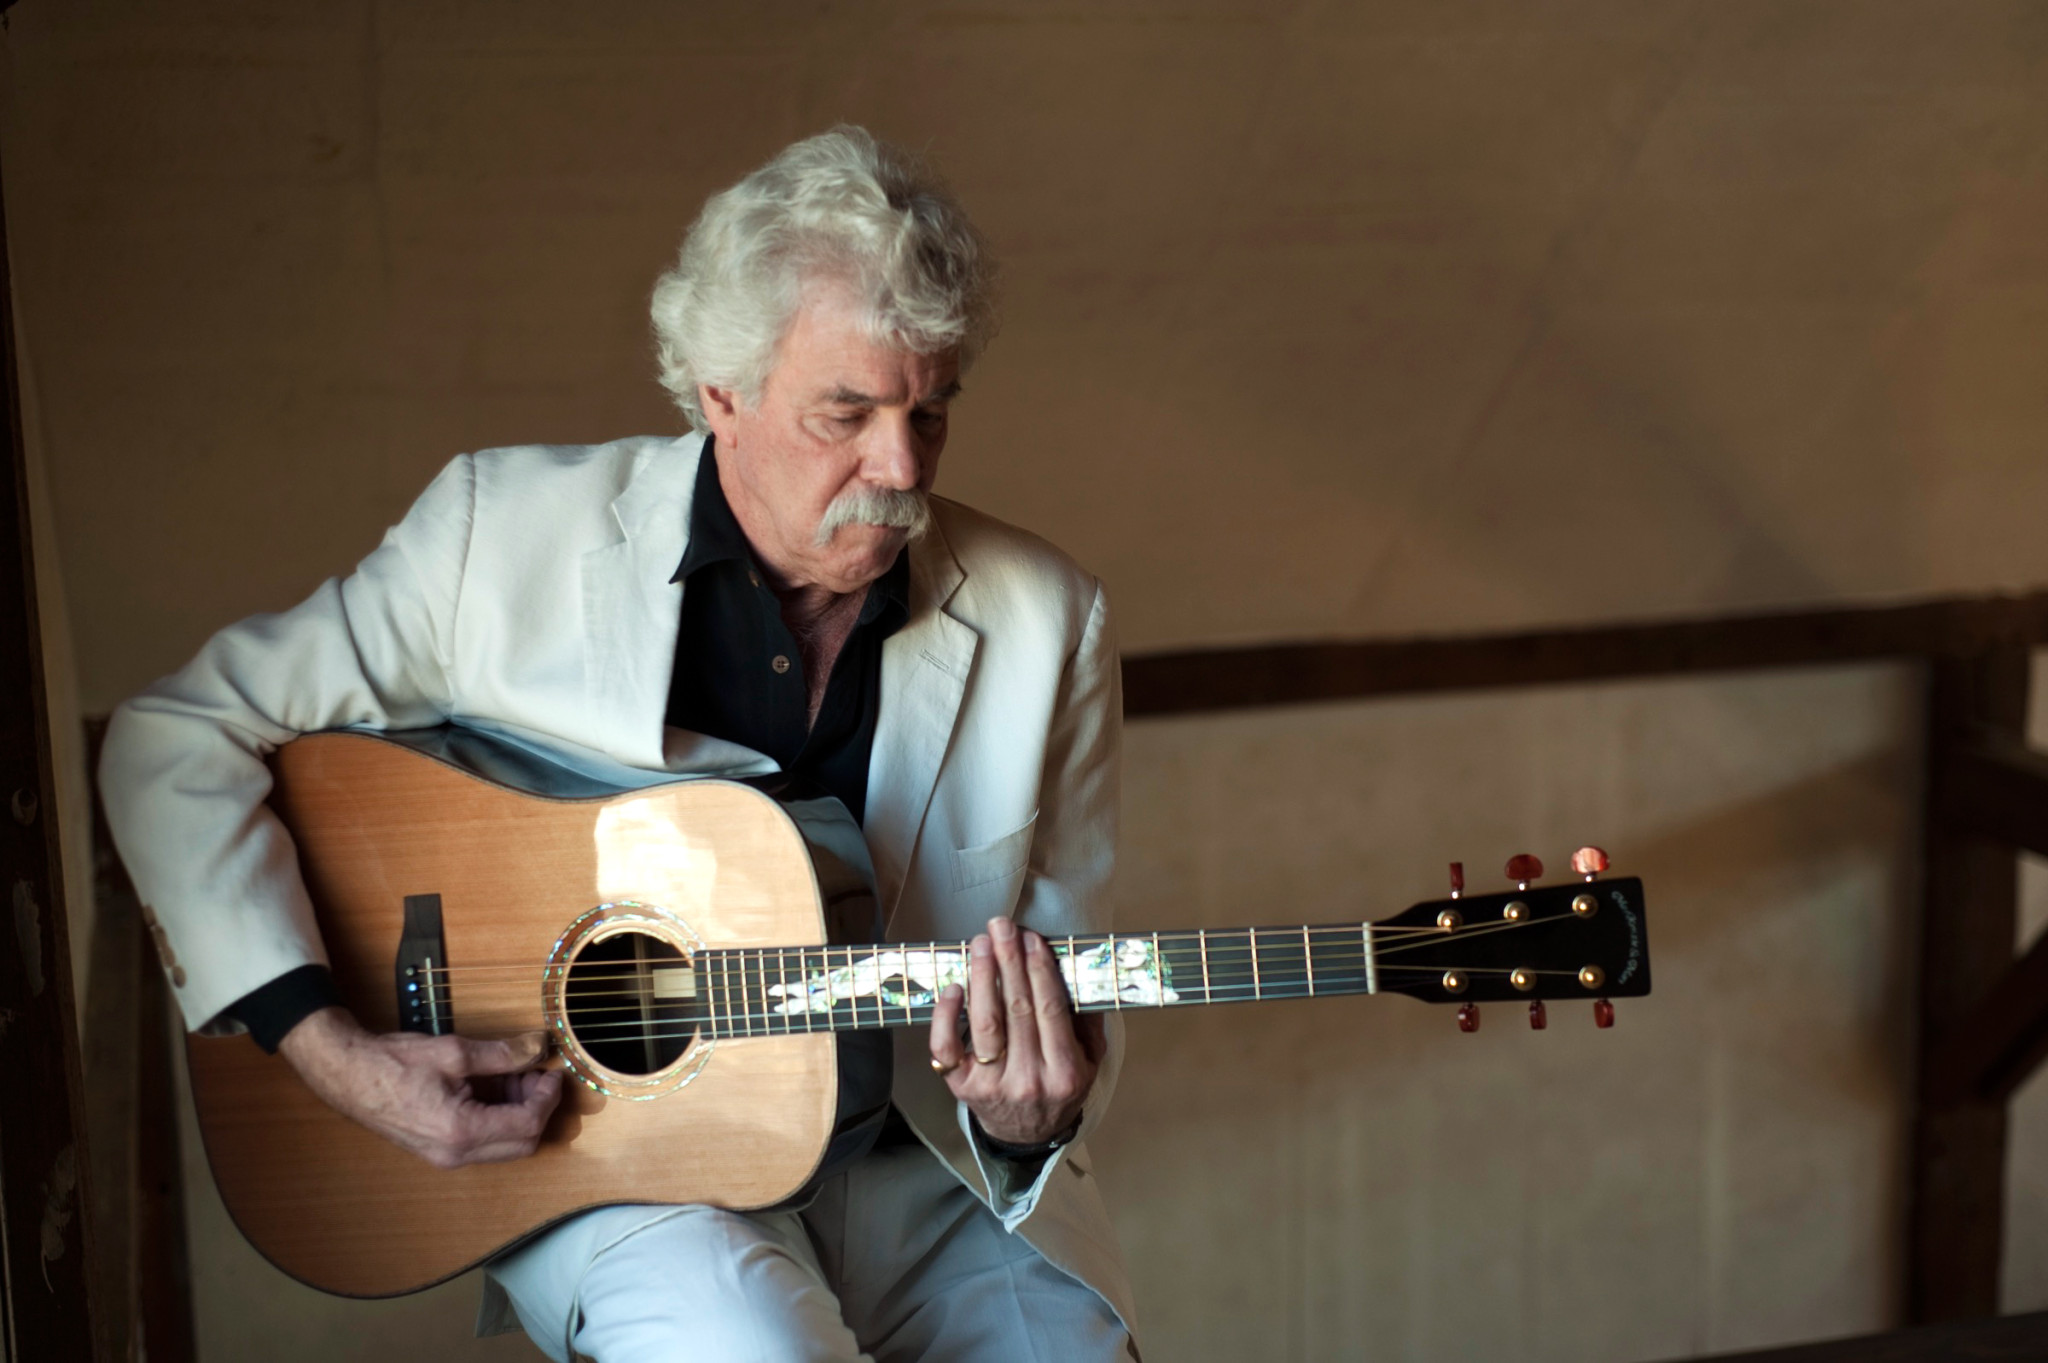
x=740 y=1123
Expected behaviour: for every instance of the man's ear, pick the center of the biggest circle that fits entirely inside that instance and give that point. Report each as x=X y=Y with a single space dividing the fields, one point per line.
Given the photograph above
x=720 y=405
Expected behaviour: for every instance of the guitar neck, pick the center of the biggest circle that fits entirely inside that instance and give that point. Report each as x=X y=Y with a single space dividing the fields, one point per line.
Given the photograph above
x=772 y=991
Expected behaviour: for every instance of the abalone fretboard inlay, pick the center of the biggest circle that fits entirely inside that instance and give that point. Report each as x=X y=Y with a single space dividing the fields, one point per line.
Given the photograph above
x=1126 y=971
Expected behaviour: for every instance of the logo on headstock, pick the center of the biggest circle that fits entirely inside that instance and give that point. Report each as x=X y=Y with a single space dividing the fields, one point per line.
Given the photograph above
x=1635 y=936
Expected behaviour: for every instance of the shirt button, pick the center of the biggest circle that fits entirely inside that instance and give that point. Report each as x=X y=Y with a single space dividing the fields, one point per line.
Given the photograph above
x=753 y=577
x=780 y=663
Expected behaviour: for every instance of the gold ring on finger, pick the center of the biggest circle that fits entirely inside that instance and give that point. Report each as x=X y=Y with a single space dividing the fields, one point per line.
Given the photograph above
x=944 y=1066
x=991 y=1059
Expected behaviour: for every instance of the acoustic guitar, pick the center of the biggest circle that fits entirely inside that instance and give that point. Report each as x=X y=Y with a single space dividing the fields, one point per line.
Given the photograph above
x=672 y=941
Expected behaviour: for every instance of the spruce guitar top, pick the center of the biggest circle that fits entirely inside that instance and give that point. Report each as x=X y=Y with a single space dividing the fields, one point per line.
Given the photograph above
x=671 y=940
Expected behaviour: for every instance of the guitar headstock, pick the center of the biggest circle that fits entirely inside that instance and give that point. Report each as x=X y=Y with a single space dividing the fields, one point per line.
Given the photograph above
x=1583 y=939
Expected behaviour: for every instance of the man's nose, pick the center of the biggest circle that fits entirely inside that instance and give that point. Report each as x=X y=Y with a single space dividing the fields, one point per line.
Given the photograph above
x=895 y=454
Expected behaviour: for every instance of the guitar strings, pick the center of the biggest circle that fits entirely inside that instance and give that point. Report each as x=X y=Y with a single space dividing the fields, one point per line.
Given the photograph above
x=1239 y=991
x=1240 y=983
x=1405 y=938
x=1176 y=936
x=1244 y=969
x=850 y=1015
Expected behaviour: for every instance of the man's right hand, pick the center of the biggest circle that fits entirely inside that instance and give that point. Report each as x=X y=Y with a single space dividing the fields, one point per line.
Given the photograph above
x=416 y=1091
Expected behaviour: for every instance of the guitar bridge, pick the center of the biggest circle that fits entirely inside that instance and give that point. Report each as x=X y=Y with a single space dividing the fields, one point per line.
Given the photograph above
x=422 y=969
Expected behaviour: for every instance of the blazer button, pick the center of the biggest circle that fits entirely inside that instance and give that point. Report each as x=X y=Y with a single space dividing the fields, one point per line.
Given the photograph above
x=780 y=663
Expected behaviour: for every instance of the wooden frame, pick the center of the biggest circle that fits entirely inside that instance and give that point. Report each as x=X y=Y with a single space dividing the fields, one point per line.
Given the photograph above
x=1982 y=1027
x=45 y=1233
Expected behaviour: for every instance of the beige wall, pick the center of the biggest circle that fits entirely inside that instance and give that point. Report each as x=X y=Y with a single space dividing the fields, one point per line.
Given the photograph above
x=1320 y=320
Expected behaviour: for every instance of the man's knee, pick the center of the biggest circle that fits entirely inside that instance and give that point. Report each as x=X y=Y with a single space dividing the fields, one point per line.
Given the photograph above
x=707 y=1284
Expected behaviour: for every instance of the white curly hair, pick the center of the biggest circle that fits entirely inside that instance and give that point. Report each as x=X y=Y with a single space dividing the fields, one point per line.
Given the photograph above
x=842 y=206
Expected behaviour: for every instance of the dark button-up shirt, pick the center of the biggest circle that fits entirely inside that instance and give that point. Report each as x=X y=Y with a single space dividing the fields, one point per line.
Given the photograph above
x=739 y=673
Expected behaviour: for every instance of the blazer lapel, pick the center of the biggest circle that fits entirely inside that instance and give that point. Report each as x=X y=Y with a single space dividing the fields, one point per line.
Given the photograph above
x=631 y=611
x=925 y=666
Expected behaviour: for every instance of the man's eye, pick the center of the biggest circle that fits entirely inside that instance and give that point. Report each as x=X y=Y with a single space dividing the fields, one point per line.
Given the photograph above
x=929 y=416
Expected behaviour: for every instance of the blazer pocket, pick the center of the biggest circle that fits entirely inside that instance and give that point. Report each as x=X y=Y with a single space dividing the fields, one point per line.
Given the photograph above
x=996 y=860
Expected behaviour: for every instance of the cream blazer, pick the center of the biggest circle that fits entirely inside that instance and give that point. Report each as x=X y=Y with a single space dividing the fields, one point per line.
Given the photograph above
x=527 y=591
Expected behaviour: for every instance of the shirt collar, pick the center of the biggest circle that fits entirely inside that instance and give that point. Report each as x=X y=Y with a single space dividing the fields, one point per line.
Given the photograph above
x=715 y=534
x=716 y=537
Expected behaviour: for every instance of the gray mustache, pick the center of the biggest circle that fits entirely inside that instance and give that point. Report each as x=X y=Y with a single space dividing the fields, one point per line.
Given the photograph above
x=875 y=506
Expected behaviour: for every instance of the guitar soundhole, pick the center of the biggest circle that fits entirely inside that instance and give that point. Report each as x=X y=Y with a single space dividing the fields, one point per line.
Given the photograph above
x=631 y=1002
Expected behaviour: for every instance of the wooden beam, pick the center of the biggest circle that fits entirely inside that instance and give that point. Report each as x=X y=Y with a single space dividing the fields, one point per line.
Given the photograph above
x=1956 y=1192
x=45 y=1237
x=1992 y=784
x=2002 y=1041
x=1198 y=680
x=144 y=1299
x=2011 y=1339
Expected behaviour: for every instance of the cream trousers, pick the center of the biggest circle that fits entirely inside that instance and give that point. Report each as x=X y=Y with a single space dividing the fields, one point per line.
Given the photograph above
x=892 y=1261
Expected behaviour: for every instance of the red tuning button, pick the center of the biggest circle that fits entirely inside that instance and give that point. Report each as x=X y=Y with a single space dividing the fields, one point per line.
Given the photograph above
x=1589 y=861
x=1524 y=868
x=1603 y=1013
x=1539 y=1016
x=1468 y=1017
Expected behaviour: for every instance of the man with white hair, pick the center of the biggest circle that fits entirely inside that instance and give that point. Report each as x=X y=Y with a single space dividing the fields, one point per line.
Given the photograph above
x=775 y=591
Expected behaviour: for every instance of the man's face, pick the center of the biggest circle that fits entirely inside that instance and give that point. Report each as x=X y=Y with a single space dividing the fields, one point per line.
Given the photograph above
x=840 y=415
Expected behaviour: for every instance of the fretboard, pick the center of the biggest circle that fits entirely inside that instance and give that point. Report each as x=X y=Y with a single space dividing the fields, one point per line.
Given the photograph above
x=773 y=991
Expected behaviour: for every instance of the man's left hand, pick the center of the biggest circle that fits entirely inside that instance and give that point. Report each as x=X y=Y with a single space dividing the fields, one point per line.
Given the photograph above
x=1029 y=1060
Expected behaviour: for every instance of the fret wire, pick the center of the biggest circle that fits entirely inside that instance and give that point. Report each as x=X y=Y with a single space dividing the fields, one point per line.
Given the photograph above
x=1202 y=940
x=732 y=995
x=1308 y=963
x=746 y=1006
x=782 y=979
x=854 y=970
x=736 y=993
x=714 y=982
x=881 y=1019
x=906 y=996
x=832 y=1001
x=767 y=1002
x=746 y=994
x=1257 y=992
x=1116 y=979
x=761 y=983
